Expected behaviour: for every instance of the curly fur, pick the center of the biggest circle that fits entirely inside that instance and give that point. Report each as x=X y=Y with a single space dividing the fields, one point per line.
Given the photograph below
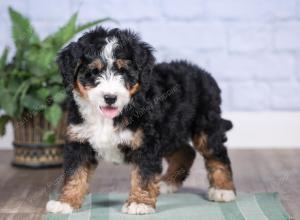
x=175 y=102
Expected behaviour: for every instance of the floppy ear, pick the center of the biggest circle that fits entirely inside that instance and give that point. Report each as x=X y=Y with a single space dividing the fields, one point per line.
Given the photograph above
x=145 y=63
x=68 y=60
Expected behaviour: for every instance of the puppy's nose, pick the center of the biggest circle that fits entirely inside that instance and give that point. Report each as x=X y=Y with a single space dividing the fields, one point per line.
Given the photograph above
x=110 y=99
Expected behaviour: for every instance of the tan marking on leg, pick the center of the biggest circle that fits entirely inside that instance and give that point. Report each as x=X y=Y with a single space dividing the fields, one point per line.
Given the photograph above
x=134 y=89
x=137 y=140
x=179 y=164
x=219 y=174
x=145 y=193
x=200 y=143
x=76 y=186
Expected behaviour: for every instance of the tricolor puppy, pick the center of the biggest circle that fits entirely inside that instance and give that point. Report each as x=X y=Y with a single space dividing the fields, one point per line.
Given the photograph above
x=125 y=108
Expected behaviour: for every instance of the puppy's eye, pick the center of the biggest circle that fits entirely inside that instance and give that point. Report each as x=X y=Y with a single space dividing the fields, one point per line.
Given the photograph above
x=89 y=73
x=94 y=71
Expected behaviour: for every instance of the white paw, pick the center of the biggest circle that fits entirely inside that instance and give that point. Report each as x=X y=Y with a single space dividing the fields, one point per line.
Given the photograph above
x=137 y=209
x=58 y=207
x=166 y=188
x=221 y=195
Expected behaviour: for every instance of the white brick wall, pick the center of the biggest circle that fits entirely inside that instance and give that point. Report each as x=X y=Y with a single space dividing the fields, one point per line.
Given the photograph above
x=287 y=35
x=249 y=37
x=285 y=94
x=251 y=9
x=252 y=47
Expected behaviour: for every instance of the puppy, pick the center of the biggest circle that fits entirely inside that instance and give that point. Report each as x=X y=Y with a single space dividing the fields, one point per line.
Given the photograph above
x=124 y=108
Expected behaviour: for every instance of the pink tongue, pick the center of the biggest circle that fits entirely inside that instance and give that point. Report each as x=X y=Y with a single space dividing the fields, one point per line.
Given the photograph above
x=110 y=112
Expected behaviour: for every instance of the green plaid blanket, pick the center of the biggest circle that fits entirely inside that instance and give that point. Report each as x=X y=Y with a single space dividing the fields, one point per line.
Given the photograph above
x=261 y=206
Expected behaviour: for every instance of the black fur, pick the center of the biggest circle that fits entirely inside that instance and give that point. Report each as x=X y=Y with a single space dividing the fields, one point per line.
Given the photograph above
x=176 y=101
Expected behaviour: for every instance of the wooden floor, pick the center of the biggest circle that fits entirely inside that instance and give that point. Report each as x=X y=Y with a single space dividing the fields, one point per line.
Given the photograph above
x=24 y=193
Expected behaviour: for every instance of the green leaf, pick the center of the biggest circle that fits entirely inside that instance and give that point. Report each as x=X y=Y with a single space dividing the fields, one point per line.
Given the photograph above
x=22 y=31
x=13 y=85
x=93 y=23
x=56 y=88
x=32 y=103
x=49 y=137
x=3 y=58
x=56 y=78
x=3 y=121
x=7 y=104
x=40 y=61
x=64 y=34
x=43 y=93
x=37 y=81
x=19 y=96
x=21 y=90
x=59 y=97
x=53 y=114
x=68 y=31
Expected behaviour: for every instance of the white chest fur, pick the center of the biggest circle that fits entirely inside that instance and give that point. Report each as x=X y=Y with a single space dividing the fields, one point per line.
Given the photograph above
x=103 y=137
x=100 y=132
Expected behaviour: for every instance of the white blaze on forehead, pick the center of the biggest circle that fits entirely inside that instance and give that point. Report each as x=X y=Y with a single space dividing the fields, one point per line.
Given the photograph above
x=111 y=84
x=108 y=51
x=107 y=55
x=109 y=81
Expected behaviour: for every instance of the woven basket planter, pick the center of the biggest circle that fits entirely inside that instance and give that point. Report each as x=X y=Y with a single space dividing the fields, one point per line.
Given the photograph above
x=29 y=149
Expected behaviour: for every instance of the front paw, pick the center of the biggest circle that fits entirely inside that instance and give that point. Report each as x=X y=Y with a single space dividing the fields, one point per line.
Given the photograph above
x=137 y=209
x=58 y=207
x=221 y=195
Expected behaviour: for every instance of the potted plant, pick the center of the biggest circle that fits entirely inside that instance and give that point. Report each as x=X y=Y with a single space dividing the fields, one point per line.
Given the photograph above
x=32 y=94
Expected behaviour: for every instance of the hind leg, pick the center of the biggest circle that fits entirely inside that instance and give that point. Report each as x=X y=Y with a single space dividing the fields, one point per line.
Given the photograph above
x=179 y=164
x=218 y=166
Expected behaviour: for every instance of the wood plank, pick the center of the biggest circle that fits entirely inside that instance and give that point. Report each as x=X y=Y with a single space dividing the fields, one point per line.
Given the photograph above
x=24 y=192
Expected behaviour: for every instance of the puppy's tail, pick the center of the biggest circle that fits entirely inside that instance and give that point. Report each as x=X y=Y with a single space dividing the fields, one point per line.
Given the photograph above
x=227 y=125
